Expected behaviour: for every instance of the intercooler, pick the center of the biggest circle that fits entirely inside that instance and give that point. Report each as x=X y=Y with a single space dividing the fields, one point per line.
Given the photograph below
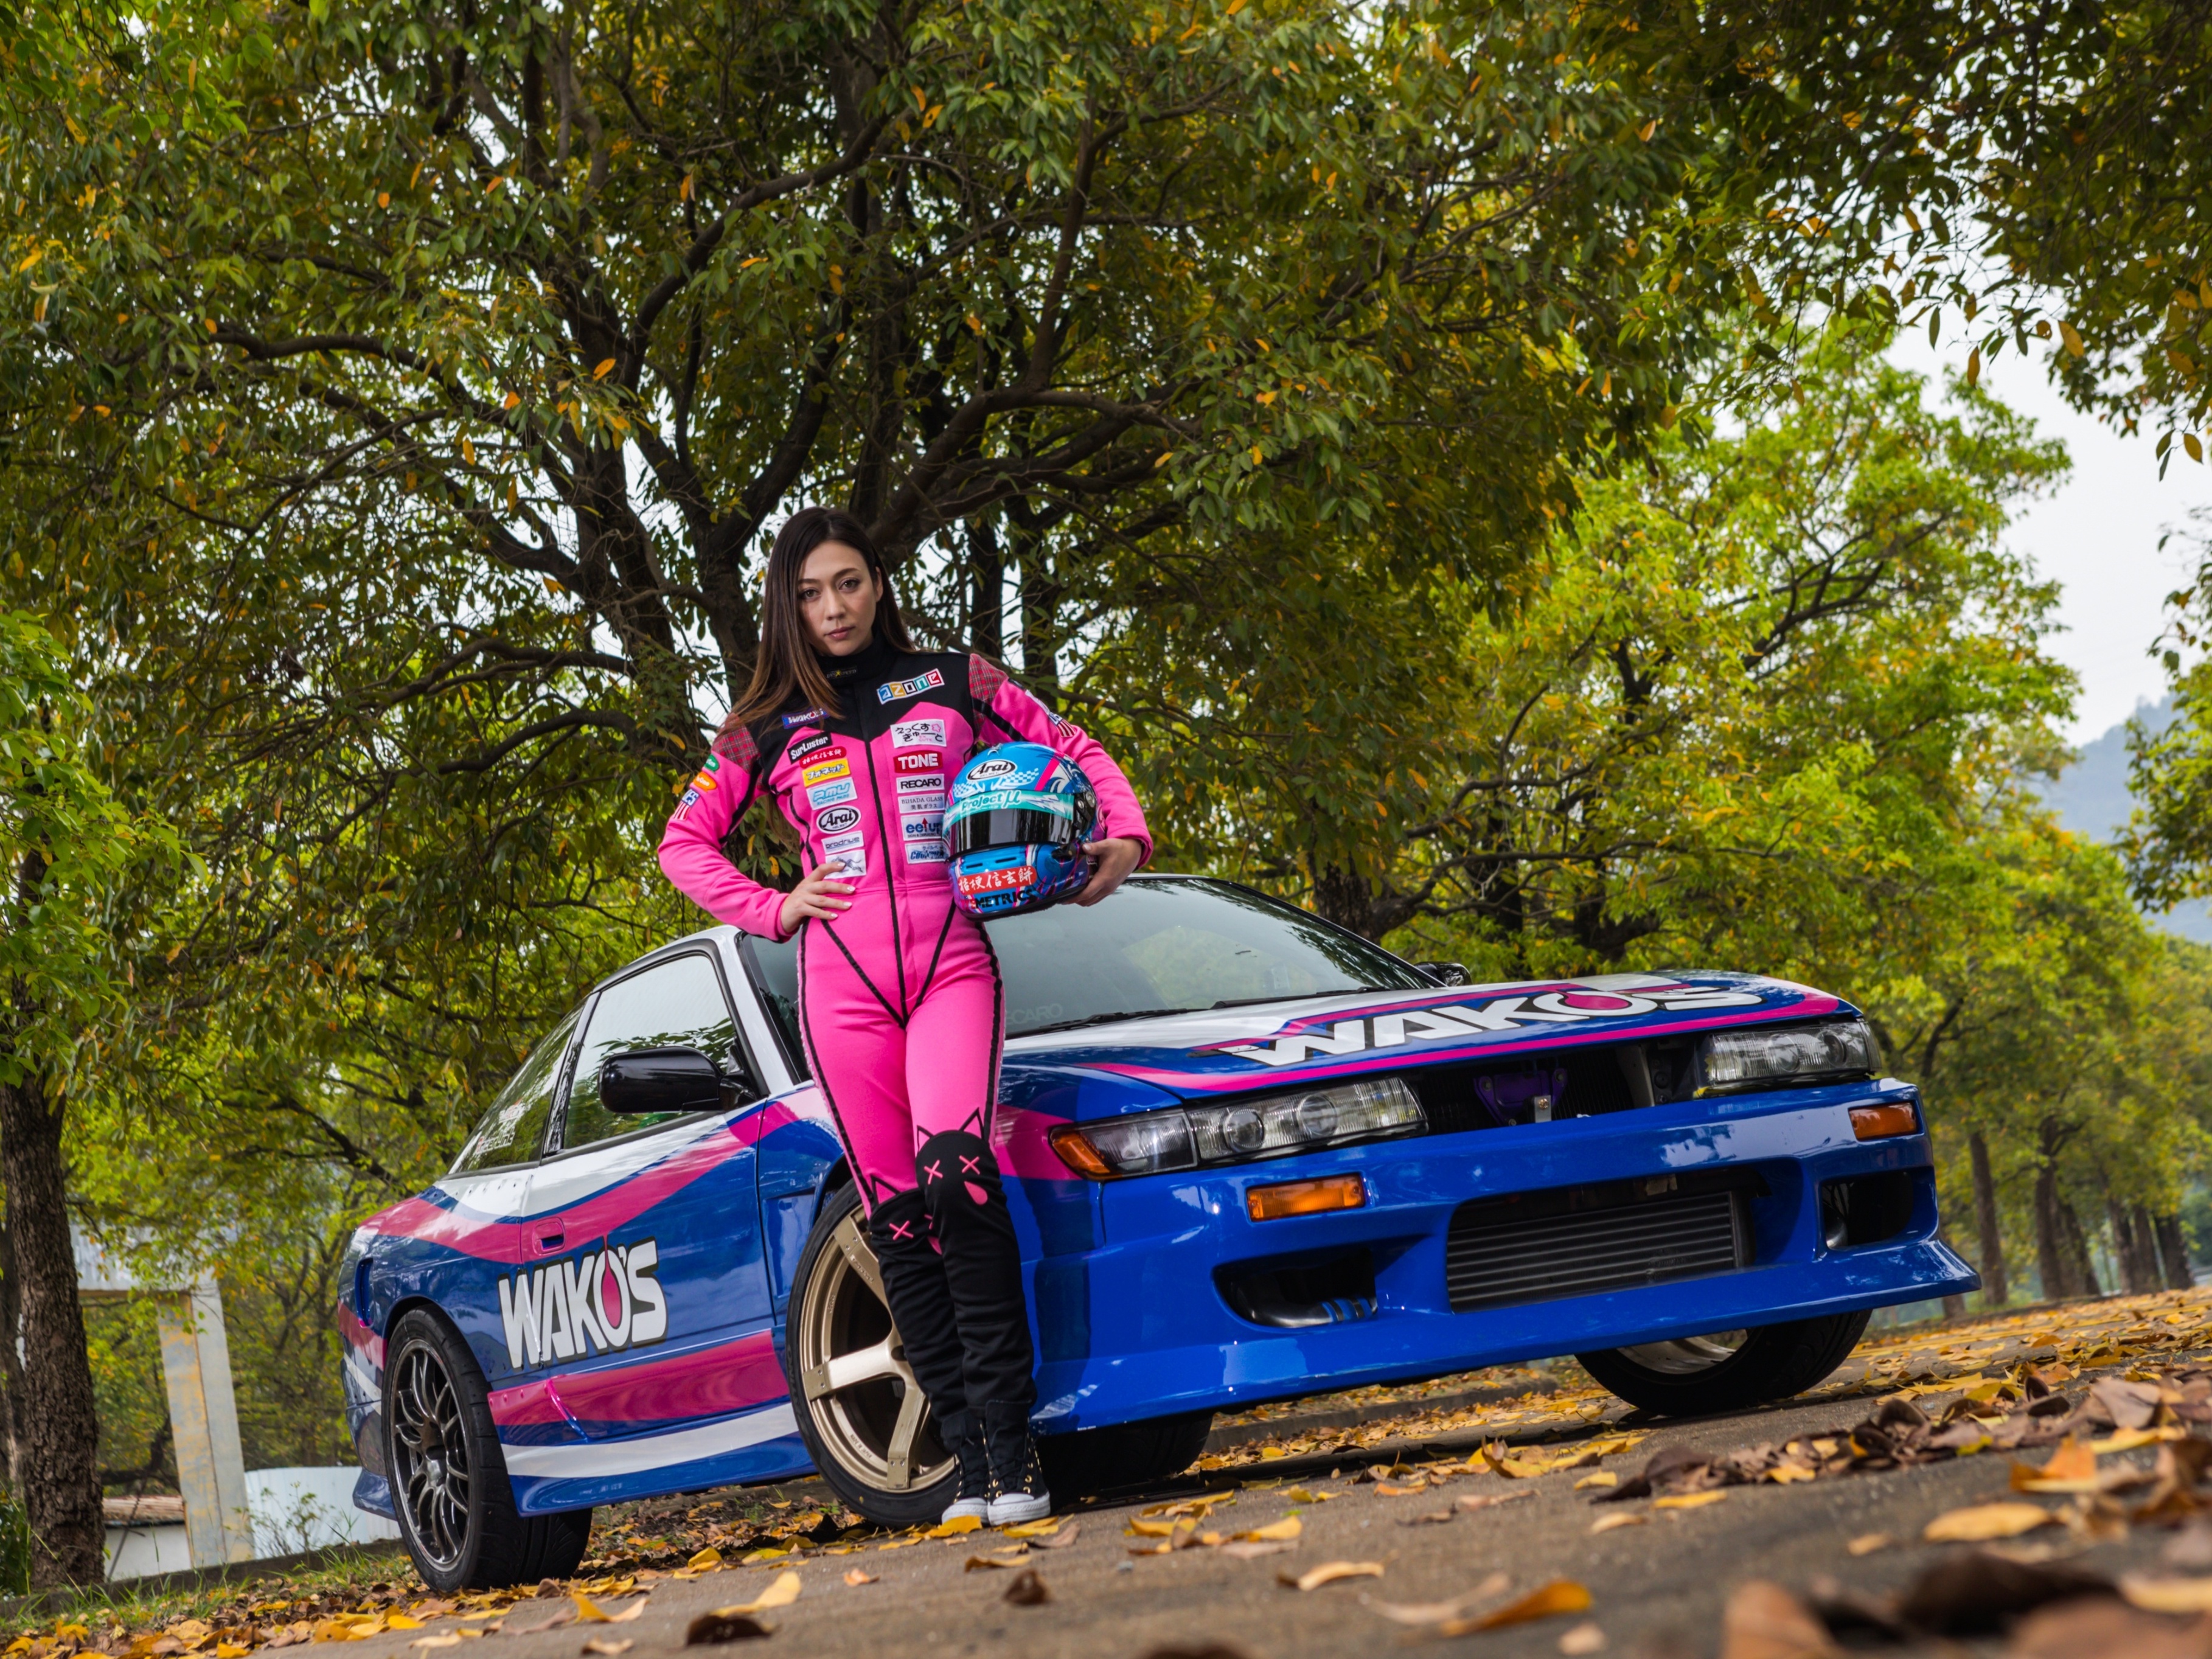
x=1539 y=1247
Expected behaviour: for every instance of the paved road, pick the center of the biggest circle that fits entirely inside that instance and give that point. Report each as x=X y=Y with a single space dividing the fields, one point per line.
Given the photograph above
x=1658 y=1588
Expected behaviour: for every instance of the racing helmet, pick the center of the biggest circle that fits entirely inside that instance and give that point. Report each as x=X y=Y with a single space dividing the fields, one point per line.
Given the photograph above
x=1015 y=824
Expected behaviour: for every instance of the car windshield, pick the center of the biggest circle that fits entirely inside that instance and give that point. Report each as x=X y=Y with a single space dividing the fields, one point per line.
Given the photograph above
x=1164 y=944
x=1172 y=945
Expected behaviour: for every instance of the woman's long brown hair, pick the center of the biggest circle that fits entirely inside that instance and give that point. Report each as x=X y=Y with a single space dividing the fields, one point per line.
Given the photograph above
x=787 y=663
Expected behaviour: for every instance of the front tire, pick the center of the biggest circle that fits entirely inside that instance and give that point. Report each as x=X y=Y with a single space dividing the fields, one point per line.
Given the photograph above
x=1728 y=1370
x=866 y=1422
x=449 y=1485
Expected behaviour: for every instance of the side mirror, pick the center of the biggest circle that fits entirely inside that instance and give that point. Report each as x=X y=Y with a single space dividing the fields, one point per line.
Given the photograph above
x=1446 y=973
x=661 y=1080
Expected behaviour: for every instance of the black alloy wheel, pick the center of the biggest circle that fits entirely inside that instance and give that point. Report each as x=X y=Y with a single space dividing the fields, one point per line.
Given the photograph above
x=449 y=1485
x=1728 y=1370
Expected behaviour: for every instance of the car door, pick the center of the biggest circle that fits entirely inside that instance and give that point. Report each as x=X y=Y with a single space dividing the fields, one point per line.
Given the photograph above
x=661 y=1309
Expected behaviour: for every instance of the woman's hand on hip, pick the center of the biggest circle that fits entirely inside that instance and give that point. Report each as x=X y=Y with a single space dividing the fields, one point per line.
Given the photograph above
x=821 y=895
x=1116 y=859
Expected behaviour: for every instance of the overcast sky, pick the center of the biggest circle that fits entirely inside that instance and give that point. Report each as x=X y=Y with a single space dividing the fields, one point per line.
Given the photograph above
x=2097 y=536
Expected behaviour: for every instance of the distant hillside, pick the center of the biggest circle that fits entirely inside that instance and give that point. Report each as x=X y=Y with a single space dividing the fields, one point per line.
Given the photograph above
x=2091 y=799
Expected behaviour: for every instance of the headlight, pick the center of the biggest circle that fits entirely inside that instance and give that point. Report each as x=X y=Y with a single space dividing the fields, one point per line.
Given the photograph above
x=1740 y=1060
x=1243 y=1131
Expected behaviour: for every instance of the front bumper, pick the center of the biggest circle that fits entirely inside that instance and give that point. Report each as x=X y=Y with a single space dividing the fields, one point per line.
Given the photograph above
x=1139 y=1326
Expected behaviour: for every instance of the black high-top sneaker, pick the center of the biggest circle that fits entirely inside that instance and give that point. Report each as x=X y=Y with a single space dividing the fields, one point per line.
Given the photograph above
x=963 y=1438
x=1018 y=1490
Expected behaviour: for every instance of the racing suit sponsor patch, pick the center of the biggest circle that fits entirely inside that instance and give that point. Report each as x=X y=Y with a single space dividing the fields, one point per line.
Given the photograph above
x=689 y=800
x=924 y=852
x=892 y=692
x=928 y=826
x=837 y=820
x=917 y=734
x=606 y=1299
x=831 y=794
x=804 y=717
x=850 y=850
x=933 y=784
x=805 y=746
x=926 y=760
x=826 y=769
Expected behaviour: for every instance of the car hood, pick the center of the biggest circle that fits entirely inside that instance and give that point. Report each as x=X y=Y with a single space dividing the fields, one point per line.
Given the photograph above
x=1229 y=1050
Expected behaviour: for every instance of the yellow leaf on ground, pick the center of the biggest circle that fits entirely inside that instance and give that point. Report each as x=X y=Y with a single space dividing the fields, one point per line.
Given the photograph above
x=955 y=1526
x=709 y=1556
x=1275 y=1532
x=2129 y=1439
x=1142 y=1528
x=780 y=1594
x=1619 y=1518
x=1694 y=1500
x=401 y=1621
x=1782 y=1474
x=1984 y=1522
x=1602 y=1477
x=1868 y=1542
x=856 y=1578
x=1546 y=1602
x=2168 y=1595
x=1300 y=1495
x=587 y=1611
x=451 y=1639
x=1329 y=1571
x=1033 y=1529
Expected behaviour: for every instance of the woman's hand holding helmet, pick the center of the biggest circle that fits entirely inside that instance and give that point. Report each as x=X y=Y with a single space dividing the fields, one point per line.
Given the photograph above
x=819 y=896
x=1114 y=860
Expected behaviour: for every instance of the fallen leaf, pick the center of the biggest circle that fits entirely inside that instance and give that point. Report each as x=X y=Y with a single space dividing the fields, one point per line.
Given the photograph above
x=1983 y=1521
x=709 y=1556
x=780 y=1594
x=1695 y=1500
x=2167 y=1594
x=2129 y=1439
x=1868 y=1542
x=2099 y=1627
x=1763 y=1621
x=1275 y=1532
x=609 y=1645
x=1032 y=1529
x=1252 y=1551
x=1435 y=1612
x=1027 y=1589
x=1069 y=1533
x=563 y=1614
x=1618 y=1518
x=1602 y=1477
x=955 y=1526
x=400 y=1621
x=1428 y=1518
x=1546 y=1602
x=1329 y=1571
x=856 y=1578
x=1981 y=1590
x=1300 y=1495
x=452 y=1639
x=975 y=1563
x=1471 y=1503
x=710 y=1629
x=1585 y=1638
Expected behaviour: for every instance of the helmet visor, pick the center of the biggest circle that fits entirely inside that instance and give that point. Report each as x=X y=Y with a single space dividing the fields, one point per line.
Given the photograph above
x=1023 y=826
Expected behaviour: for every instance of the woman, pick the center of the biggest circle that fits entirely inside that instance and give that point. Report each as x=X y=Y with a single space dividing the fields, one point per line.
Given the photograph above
x=855 y=733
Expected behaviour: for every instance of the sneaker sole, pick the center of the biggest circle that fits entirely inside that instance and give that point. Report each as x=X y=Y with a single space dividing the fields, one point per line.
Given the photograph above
x=966 y=1506
x=1019 y=1508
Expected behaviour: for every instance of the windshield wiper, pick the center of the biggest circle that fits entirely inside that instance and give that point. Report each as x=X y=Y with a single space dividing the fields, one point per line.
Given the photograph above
x=1103 y=1019
x=1291 y=996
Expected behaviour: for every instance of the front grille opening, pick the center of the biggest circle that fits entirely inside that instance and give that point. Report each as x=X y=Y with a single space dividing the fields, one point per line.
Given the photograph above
x=1555 y=1083
x=1867 y=1209
x=1605 y=1236
x=1336 y=1292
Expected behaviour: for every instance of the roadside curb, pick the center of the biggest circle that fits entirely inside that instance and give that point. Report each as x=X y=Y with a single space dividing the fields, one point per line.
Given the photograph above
x=168 y=1583
x=1351 y=1417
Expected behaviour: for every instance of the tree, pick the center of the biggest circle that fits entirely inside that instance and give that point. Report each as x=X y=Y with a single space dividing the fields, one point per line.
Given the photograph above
x=65 y=845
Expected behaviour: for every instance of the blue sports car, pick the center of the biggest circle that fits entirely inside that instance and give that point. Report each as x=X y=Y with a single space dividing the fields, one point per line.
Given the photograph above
x=1250 y=1155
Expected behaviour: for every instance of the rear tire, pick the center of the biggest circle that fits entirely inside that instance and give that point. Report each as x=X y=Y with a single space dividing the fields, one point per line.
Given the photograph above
x=1729 y=1370
x=449 y=1485
x=1122 y=1454
x=866 y=1423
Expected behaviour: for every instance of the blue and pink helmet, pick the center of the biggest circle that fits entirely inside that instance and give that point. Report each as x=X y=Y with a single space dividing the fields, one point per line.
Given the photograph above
x=1014 y=830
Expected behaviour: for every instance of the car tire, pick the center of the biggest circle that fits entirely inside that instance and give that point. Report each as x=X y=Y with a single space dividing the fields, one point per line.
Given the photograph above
x=1728 y=1370
x=1123 y=1454
x=449 y=1485
x=866 y=1423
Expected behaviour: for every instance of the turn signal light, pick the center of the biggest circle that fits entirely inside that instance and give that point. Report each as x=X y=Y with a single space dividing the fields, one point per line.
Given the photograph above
x=1077 y=1152
x=1874 y=1122
x=1305 y=1197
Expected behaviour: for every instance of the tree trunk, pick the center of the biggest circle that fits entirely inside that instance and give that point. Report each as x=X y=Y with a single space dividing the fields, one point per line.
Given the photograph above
x=2138 y=1271
x=1040 y=596
x=11 y=1357
x=2049 y=1256
x=2075 y=1238
x=58 y=1468
x=2173 y=1253
x=1995 y=1289
x=986 y=589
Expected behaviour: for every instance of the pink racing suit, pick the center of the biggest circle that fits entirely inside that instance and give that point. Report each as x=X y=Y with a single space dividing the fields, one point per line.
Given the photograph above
x=900 y=1005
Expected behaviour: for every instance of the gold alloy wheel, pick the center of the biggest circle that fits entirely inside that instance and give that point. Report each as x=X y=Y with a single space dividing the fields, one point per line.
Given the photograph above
x=860 y=1394
x=1686 y=1356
